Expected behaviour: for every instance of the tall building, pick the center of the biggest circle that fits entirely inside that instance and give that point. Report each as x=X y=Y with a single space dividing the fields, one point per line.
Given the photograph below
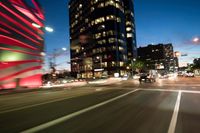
x=21 y=43
x=102 y=37
x=159 y=57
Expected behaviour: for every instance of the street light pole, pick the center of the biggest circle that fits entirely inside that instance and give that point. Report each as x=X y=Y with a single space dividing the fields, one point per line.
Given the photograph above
x=56 y=53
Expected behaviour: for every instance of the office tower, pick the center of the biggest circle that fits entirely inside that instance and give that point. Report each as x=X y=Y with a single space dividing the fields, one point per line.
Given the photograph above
x=102 y=37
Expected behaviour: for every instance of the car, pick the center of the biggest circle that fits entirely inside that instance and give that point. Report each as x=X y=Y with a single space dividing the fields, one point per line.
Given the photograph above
x=189 y=74
x=125 y=77
x=145 y=77
x=136 y=76
x=180 y=74
x=163 y=76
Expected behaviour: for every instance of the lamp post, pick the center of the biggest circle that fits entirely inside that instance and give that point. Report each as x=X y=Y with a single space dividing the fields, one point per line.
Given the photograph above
x=177 y=54
x=56 y=53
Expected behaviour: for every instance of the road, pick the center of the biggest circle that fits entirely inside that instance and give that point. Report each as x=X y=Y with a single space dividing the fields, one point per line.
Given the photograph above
x=167 y=106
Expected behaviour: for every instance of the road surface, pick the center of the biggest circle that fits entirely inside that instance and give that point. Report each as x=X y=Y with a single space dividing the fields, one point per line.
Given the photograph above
x=167 y=106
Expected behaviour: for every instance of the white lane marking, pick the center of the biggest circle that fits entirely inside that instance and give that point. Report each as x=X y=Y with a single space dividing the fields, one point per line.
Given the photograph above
x=35 y=105
x=100 y=89
x=166 y=90
x=187 y=91
x=67 y=117
x=197 y=85
x=173 y=122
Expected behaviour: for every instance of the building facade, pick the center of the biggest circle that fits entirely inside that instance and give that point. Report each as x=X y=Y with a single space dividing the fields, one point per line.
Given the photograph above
x=102 y=37
x=159 y=57
x=21 y=43
x=197 y=62
x=196 y=66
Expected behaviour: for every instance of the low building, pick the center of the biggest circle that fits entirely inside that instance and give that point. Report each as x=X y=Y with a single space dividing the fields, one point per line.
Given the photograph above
x=197 y=66
x=159 y=57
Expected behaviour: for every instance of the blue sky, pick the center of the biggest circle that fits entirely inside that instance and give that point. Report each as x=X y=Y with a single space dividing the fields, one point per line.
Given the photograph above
x=157 y=21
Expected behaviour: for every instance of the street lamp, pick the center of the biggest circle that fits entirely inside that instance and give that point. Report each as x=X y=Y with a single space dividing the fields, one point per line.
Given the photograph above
x=196 y=40
x=36 y=25
x=64 y=49
x=177 y=54
x=49 y=29
x=43 y=54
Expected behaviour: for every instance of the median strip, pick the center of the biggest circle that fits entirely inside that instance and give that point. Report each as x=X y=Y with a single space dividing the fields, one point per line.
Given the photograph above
x=72 y=115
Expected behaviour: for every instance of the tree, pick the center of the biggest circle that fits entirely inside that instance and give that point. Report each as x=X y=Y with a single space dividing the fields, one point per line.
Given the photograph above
x=195 y=66
x=138 y=65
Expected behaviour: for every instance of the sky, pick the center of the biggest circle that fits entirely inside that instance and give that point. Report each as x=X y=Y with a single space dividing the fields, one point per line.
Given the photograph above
x=157 y=21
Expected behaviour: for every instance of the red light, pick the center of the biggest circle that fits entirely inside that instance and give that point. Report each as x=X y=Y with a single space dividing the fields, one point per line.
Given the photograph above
x=8 y=85
x=17 y=32
x=3 y=30
x=4 y=65
x=20 y=25
x=20 y=72
x=6 y=25
x=11 y=41
x=19 y=51
x=18 y=16
x=32 y=81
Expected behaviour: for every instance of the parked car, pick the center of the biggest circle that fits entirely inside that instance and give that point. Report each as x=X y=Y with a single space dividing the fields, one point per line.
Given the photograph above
x=180 y=74
x=163 y=76
x=189 y=74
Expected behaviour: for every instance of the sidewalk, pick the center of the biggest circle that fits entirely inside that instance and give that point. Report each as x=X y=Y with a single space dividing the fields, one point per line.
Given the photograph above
x=42 y=88
x=109 y=81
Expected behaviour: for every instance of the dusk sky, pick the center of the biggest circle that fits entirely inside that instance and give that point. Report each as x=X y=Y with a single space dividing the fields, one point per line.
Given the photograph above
x=157 y=21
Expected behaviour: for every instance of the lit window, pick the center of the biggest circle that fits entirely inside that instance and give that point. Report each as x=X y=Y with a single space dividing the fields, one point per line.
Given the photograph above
x=86 y=20
x=128 y=29
x=121 y=64
x=113 y=63
x=129 y=35
x=121 y=48
x=118 y=19
x=111 y=40
x=99 y=20
x=100 y=5
x=92 y=9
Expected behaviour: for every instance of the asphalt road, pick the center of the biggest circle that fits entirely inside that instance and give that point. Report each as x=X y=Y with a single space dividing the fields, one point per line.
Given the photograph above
x=168 y=106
